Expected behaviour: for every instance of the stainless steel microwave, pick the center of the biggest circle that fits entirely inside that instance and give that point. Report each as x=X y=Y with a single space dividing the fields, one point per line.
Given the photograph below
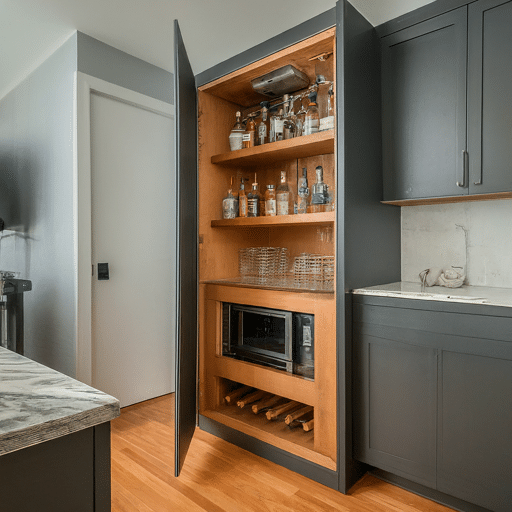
x=270 y=337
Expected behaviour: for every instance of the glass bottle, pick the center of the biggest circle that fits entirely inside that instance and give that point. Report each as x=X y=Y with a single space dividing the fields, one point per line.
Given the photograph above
x=320 y=192
x=279 y=126
x=295 y=119
x=237 y=132
x=303 y=192
x=312 y=121
x=230 y=204
x=289 y=125
x=264 y=126
x=327 y=123
x=249 y=136
x=300 y=118
x=242 y=200
x=284 y=197
x=253 y=200
x=272 y=133
x=270 y=201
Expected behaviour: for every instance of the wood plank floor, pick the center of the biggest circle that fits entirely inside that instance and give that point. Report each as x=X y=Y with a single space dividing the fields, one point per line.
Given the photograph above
x=219 y=477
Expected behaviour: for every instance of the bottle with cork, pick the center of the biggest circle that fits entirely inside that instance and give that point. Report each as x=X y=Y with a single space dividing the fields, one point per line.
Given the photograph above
x=237 y=132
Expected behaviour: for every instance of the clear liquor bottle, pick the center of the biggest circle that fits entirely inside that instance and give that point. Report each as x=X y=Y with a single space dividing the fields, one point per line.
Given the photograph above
x=230 y=204
x=279 y=126
x=297 y=121
x=284 y=197
x=320 y=192
x=236 y=134
x=312 y=121
x=327 y=122
x=289 y=125
x=272 y=116
x=264 y=126
x=303 y=192
x=253 y=200
x=300 y=118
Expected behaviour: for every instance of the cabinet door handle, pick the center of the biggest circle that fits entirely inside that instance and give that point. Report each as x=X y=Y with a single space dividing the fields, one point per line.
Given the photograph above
x=462 y=183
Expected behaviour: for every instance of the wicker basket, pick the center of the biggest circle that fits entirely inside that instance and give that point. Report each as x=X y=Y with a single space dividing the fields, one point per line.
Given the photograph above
x=313 y=269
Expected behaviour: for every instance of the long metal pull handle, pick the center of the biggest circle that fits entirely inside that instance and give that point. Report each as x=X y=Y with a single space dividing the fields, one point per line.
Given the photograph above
x=481 y=177
x=462 y=183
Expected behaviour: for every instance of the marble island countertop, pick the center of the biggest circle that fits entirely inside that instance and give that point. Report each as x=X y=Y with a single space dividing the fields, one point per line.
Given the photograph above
x=464 y=294
x=38 y=404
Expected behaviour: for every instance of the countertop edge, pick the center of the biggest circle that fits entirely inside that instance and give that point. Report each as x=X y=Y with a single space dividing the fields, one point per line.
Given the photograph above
x=36 y=434
x=467 y=295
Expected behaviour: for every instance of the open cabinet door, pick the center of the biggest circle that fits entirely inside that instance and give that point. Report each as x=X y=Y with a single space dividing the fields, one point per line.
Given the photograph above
x=186 y=257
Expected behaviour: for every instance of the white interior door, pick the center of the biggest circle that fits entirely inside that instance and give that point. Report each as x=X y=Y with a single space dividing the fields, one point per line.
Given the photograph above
x=133 y=230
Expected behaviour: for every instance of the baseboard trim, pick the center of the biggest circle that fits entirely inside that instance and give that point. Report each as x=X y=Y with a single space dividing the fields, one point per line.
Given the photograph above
x=426 y=492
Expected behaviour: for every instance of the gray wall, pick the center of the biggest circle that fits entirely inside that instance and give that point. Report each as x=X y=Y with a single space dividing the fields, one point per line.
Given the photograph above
x=112 y=65
x=36 y=185
x=36 y=194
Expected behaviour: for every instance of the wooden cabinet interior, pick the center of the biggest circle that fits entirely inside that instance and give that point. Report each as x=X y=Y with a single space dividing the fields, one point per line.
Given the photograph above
x=218 y=258
x=320 y=393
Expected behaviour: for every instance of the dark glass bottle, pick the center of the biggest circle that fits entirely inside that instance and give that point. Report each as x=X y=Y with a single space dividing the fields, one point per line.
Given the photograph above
x=253 y=200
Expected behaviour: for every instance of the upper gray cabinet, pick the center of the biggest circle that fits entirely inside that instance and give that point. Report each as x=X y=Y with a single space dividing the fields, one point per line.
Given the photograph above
x=424 y=108
x=490 y=97
x=425 y=121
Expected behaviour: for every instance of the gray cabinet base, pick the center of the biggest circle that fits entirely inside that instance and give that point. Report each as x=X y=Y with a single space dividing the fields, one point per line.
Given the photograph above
x=288 y=460
x=426 y=492
x=70 y=473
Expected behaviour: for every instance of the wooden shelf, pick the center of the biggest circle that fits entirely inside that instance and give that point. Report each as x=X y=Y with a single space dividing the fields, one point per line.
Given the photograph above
x=287 y=285
x=276 y=433
x=320 y=143
x=304 y=219
x=267 y=379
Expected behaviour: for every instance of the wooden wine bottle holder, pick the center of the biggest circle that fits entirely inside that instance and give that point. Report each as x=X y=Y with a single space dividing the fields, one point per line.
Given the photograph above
x=275 y=407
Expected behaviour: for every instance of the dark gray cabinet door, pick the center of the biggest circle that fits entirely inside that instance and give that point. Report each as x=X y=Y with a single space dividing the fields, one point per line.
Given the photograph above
x=475 y=425
x=490 y=96
x=424 y=109
x=186 y=277
x=395 y=406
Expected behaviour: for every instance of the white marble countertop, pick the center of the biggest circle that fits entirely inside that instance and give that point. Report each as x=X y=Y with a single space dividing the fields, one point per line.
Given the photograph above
x=464 y=294
x=38 y=404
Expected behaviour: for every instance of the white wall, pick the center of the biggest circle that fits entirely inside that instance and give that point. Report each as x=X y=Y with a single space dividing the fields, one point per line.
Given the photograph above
x=434 y=235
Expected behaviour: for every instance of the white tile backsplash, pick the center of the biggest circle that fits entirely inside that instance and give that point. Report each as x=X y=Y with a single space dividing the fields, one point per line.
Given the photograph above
x=434 y=236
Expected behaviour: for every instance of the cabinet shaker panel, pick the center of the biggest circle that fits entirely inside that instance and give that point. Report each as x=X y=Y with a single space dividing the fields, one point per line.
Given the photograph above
x=396 y=389
x=475 y=442
x=490 y=96
x=424 y=109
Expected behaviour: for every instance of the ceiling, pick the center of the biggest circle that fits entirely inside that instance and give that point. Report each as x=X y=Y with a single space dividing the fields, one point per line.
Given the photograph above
x=31 y=30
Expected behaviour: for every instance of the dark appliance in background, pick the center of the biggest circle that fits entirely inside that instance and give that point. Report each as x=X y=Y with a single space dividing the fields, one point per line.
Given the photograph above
x=270 y=337
x=11 y=310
